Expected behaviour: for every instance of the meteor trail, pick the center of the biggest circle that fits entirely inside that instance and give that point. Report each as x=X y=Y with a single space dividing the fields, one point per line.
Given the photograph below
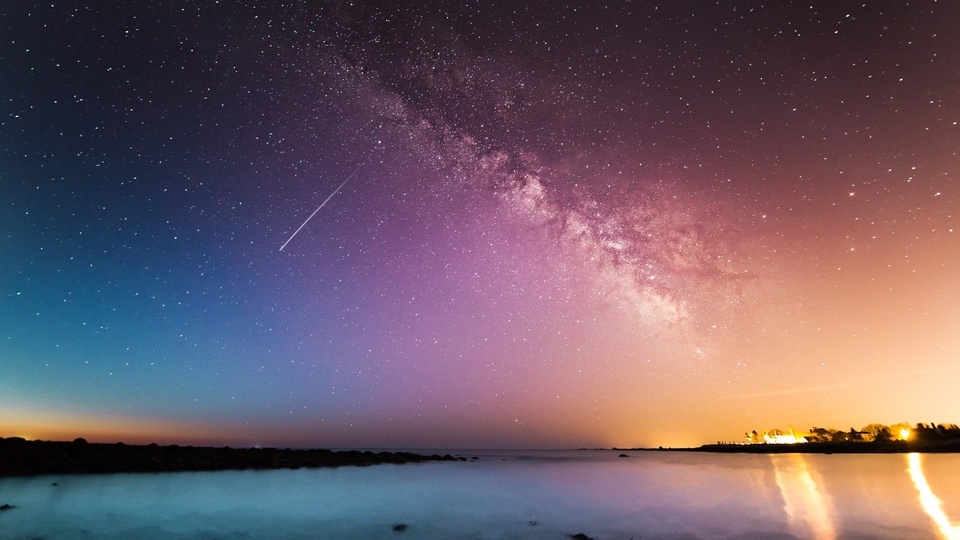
x=321 y=206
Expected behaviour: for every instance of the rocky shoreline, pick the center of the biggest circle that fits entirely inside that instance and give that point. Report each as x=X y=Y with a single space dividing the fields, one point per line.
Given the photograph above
x=20 y=457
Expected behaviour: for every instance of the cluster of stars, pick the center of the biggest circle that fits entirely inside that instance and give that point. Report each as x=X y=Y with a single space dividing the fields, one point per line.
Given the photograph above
x=597 y=223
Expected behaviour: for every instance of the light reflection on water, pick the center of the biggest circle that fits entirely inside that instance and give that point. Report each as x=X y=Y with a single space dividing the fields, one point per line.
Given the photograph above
x=931 y=504
x=503 y=495
x=804 y=502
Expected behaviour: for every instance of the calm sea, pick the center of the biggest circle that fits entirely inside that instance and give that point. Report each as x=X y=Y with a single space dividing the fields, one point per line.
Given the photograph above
x=519 y=494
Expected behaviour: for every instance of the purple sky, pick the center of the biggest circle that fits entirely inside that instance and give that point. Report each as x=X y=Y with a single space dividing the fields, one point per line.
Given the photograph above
x=642 y=224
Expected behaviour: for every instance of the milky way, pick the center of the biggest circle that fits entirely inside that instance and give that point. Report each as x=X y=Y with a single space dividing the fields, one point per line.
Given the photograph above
x=653 y=223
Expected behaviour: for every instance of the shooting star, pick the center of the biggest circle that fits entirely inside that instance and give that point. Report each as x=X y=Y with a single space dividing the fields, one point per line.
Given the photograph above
x=321 y=206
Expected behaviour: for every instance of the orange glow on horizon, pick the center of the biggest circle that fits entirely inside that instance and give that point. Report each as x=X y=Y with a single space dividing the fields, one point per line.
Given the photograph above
x=56 y=426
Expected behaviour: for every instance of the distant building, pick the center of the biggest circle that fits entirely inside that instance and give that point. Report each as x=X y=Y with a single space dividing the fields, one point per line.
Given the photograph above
x=784 y=438
x=774 y=437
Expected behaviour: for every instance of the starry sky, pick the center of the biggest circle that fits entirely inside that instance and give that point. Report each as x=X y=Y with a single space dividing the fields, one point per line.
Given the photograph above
x=563 y=224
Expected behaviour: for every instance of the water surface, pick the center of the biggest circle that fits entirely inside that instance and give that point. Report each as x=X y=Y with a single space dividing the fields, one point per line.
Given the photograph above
x=524 y=494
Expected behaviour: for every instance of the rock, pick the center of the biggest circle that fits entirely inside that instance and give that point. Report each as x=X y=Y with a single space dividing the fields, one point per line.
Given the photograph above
x=580 y=536
x=6 y=507
x=623 y=455
x=399 y=527
x=19 y=457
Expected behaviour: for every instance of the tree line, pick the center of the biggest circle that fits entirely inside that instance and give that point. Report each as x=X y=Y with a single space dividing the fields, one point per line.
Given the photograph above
x=880 y=433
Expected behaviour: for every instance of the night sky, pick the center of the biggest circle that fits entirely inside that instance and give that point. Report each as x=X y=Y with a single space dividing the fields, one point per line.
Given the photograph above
x=651 y=223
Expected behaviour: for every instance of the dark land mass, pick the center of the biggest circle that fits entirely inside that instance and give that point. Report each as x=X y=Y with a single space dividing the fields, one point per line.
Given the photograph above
x=888 y=447
x=924 y=438
x=19 y=457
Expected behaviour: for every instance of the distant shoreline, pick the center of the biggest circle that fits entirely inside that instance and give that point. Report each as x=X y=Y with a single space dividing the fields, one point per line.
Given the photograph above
x=20 y=457
x=891 y=447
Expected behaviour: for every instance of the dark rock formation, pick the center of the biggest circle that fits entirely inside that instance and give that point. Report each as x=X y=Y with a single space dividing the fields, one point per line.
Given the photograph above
x=19 y=457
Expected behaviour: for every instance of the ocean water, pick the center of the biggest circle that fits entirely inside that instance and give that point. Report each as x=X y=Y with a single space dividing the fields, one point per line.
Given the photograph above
x=501 y=495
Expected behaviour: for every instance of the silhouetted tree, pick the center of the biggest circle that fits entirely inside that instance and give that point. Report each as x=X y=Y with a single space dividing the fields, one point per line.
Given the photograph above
x=839 y=437
x=819 y=435
x=876 y=430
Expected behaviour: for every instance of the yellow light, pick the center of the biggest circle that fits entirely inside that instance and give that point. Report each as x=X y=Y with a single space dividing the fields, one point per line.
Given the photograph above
x=905 y=433
x=804 y=501
x=931 y=504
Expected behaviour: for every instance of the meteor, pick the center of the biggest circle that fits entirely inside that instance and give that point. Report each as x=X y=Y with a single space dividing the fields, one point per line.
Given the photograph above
x=321 y=206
